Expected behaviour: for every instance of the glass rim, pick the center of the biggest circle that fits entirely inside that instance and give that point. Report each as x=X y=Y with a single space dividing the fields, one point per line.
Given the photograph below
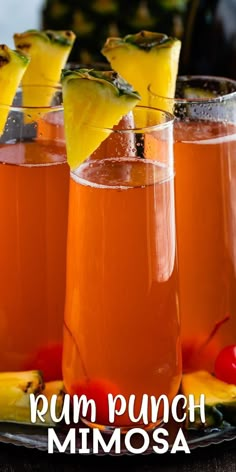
x=204 y=100
x=159 y=126
x=48 y=108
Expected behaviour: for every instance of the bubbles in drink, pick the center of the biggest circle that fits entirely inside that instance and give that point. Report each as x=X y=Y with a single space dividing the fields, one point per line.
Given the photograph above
x=122 y=173
x=204 y=132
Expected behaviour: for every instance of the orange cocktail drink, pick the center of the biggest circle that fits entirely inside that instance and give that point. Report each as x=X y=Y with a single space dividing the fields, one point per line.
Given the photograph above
x=205 y=162
x=121 y=332
x=34 y=179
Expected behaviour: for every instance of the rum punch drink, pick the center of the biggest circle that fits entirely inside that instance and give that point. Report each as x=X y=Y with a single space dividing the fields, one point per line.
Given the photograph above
x=34 y=178
x=205 y=162
x=121 y=318
x=121 y=327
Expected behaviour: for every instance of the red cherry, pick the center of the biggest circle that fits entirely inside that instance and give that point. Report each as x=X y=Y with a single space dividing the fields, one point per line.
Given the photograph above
x=225 y=365
x=98 y=391
x=196 y=355
x=200 y=351
x=48 y=359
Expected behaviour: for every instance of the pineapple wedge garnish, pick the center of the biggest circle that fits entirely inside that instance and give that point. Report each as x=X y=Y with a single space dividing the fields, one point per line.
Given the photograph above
x=55 y=387
x=13 y=65
x=15 y=390
x=145 y=59
x=219 y=400
x=94 y=102
x=49 y=51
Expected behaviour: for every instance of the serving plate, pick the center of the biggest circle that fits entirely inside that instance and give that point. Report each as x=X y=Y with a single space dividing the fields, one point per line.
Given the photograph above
x=36 y=437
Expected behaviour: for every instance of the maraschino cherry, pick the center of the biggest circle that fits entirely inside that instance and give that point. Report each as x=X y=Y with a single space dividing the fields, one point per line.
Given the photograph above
x=225 y=364
x=97 y=390
x=47 y=359
x=200 y=351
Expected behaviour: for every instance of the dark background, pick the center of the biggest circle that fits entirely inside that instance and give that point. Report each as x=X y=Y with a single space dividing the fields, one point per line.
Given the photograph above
x=207 y=28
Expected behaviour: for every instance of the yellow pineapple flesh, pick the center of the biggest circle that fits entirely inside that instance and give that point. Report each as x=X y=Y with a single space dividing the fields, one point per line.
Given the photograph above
x=49 y=51
x=145 y=59
x=94 y=101
x=13 y=65
x=15 y=390
x=219 y=400
x=55 y=387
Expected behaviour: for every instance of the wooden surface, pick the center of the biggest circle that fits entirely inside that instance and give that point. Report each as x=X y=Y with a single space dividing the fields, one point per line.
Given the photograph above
x=220 y=458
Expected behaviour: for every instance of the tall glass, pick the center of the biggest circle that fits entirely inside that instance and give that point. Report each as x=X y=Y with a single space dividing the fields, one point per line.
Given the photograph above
x=34 y=183
x=121 y=331
x=205 y=161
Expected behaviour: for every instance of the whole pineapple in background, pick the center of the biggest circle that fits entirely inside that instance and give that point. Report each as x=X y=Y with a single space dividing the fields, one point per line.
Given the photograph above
x=95 y=20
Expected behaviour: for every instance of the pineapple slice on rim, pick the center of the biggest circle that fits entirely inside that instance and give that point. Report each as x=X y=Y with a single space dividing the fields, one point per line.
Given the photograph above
x=144 y=59
x=94 y=101
x=13 y=65
x=49 y=51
